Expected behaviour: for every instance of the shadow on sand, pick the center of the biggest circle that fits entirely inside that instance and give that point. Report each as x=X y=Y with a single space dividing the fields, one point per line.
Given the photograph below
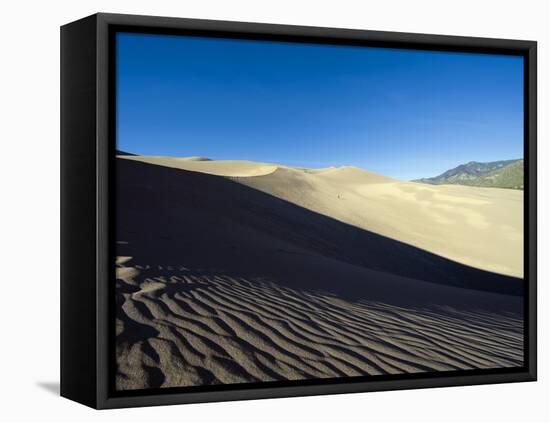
x=167 y=216
x=51 y=387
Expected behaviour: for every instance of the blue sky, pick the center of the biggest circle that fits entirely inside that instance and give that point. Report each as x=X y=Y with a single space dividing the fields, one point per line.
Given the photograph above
x=402 y=113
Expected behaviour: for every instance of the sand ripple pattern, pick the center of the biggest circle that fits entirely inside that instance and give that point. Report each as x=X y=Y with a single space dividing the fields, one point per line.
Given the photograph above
x=182 y=327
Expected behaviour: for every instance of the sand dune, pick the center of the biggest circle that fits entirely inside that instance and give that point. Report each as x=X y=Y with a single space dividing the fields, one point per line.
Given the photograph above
x=220 y=281
x=182 y=327
x=480 y=227
x=239 y=168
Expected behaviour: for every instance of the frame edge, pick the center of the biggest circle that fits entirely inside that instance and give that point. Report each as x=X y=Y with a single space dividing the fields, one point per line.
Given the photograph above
x=107 y=20
x=78 y=239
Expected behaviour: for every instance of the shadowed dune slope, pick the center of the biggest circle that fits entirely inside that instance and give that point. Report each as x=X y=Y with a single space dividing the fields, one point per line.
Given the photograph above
x=479 y=227
x=213 y=222
x=218 y=282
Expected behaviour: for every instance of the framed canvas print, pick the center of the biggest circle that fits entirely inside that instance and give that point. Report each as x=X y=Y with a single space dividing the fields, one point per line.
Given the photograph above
x=256 y=211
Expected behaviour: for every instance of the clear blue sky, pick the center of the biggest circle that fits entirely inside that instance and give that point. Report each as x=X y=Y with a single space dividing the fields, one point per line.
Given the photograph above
x=402 y=113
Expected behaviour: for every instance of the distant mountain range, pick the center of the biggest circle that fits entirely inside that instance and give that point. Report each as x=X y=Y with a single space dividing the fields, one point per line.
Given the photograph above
x=500 y=174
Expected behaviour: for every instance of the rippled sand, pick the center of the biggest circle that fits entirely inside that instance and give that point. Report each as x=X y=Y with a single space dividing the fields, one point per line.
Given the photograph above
x=185 y=328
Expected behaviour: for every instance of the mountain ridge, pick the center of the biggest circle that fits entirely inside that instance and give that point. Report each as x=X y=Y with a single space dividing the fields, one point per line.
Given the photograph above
x=497 y=174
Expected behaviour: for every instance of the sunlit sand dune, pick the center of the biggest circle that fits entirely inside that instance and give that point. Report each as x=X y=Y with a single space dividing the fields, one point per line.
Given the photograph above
x=200 y=164
x=303 y=273
x=480 y=227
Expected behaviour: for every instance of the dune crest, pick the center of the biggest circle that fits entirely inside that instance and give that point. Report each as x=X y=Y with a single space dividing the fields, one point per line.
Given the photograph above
x=234 y=168
x=195 y=159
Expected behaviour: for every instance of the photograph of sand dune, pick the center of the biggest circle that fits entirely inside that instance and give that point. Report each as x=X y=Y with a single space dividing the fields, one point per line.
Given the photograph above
x=288 y=212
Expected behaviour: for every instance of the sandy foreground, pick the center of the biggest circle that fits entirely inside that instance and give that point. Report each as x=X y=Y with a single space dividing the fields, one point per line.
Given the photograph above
x=235 y=272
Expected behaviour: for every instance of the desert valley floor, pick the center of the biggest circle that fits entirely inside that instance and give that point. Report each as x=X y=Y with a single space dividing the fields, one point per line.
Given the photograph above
x=236 y=272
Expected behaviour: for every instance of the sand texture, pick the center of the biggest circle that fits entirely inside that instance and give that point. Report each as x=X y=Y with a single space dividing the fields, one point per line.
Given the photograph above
x=249 y=275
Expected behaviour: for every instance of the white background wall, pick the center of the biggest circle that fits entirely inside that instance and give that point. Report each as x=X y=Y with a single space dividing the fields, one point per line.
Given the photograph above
x=29 y=208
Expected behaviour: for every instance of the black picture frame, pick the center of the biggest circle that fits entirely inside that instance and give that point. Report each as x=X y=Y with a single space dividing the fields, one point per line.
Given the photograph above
x=87 y=155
